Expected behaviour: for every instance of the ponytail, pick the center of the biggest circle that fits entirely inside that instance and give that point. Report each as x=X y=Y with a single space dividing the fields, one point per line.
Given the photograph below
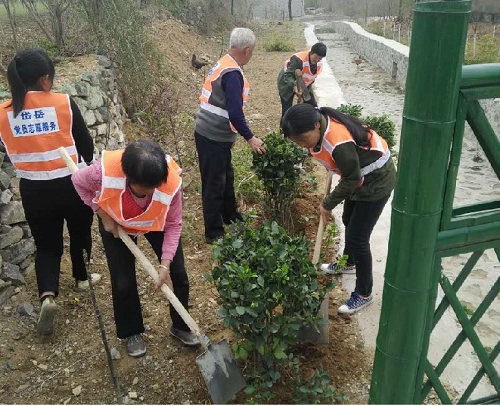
x=17 y=88
x=24 y=73
x=301 y=118
x=359 y=130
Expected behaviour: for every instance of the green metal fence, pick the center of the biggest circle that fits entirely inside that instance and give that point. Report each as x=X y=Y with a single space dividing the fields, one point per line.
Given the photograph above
x=441 y=96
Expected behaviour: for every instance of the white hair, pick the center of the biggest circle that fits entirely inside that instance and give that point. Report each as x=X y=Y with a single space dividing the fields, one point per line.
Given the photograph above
x=241 y=38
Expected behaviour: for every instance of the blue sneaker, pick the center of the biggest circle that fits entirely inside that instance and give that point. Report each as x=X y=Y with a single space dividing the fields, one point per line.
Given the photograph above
x=355 y=303
x=334 y=268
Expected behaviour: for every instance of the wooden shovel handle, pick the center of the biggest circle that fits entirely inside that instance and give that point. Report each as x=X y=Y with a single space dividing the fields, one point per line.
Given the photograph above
x=141 y=258
x=321 y=227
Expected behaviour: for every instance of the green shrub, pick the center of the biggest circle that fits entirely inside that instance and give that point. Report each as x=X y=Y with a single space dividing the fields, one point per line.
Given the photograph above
x=247 y=186
x=384 y=127
x=487 y=50
x=268 y=287
x=351 y=109
x=279 y=171
x=278 y=43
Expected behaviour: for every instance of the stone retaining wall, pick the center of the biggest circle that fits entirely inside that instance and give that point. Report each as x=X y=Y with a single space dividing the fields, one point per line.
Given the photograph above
x=96 y=94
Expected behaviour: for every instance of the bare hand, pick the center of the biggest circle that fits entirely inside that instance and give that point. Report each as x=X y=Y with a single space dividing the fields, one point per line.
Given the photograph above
x=297 y=91
x=110 y=225
x=257 y=145
x=325 y=214
x=164 y=275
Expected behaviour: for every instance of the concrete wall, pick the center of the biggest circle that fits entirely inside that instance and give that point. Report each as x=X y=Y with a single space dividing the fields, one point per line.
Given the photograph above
x=96 y=95
x=386 y=53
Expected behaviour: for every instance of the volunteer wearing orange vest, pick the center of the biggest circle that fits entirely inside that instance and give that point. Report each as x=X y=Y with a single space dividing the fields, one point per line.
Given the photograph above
x=311 y=65
x=139 y=189
x=348 y=147
x=33 y=125
x=220 y=117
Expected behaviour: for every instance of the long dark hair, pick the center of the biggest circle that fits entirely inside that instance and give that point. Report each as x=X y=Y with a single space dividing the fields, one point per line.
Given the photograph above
x=301 y=118
x=24 y=72
x=144 y=163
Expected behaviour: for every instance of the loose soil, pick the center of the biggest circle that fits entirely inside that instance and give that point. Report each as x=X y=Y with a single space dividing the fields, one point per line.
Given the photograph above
x=48 y=370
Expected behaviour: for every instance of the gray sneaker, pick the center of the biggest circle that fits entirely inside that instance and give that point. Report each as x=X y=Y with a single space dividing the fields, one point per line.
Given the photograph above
x=45 y=324
x=188 y=338
x=135 y=346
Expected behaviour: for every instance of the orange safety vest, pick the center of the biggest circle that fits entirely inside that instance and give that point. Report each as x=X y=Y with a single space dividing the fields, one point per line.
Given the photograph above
x=114 y=185
x=223 y=65
x=337 y=134
x=33 y=137
x=307 y=74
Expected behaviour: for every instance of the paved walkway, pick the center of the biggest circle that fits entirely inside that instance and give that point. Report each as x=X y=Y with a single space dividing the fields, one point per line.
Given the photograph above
x=373 y=89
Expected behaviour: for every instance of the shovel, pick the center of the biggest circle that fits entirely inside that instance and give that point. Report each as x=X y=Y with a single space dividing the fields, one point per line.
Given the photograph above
x=304 y=94
x=318 y=333
x=217 y=363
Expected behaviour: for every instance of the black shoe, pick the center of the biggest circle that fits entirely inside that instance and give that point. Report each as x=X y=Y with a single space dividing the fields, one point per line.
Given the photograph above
x=188 y=338
x=210 y=240
x=135 y=346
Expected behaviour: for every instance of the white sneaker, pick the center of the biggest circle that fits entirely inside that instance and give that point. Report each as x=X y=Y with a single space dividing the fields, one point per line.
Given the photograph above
x=334 y=268
x=45 y=324
x=84 y=285
x=355 y=303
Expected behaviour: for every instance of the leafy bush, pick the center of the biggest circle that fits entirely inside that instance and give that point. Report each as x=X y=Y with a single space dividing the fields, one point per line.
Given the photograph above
x=487 y=50
x=384 y=127
x=269 y=289
x=279 y=171
x=246 y=183
x=351 y=109
x=314 y=390
x=277 y=43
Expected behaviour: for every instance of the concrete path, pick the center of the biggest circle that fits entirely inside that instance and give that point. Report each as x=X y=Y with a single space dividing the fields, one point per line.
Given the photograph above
x=369 y=86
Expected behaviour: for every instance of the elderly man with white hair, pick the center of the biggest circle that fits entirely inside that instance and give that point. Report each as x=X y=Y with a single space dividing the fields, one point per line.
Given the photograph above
x=220 y=118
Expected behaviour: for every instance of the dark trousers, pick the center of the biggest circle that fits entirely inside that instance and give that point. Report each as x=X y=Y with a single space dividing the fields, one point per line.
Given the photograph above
x=286 y=104
x=217 y=185
x=46 y=207
x=126 y=302
x=359 y=219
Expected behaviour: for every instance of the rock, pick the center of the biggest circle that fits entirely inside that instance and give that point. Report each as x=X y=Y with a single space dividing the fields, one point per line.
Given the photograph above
x=27 y=262
x=4 y=284
x=14 y=188
x=4 y=228
x=2 y=157
x=43 y=367
x=94 y=99
x=67 y=401
x=23 y=387
x=66 y=372
x=18 y=252
x=11 y=213
x=76 y=391
x=13 y=236
x=81 y=103
x=156 y=387
x=101 y=129
x=134 y=382
x=9 y=169
x=5 y=196
x=69 y=89
x=103 y=111
x=10 y=273
x=4 y=180
x=115 y=354
x=132 y=395
x=89 y=118
x=103 y=61
x=91 y=77
x=82 y=89
x=26 y=309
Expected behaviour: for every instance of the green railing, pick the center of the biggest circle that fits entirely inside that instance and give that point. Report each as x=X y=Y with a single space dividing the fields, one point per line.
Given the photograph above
x=441 y=96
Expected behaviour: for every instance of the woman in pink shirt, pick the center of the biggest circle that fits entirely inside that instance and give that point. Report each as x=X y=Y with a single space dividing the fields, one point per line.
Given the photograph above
x=134 y=188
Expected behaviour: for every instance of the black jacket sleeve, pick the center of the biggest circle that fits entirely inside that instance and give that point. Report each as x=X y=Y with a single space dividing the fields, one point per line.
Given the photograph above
x=83 y=141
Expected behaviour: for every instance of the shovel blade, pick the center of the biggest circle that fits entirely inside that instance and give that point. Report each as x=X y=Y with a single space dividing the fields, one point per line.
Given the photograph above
x=220 y=372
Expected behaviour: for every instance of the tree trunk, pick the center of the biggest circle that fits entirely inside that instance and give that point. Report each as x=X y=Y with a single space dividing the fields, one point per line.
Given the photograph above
x=11 y=22
x=232 y=7
x=290 y=10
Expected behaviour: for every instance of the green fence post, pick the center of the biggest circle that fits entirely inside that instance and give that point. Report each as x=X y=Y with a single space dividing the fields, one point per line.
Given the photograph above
x=432 y=88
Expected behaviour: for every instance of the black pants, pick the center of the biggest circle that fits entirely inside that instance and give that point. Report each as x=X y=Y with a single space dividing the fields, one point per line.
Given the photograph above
x=126 y=302
x=217 y=185
x=46 y=205
x=286 y=104
x=359 y=219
